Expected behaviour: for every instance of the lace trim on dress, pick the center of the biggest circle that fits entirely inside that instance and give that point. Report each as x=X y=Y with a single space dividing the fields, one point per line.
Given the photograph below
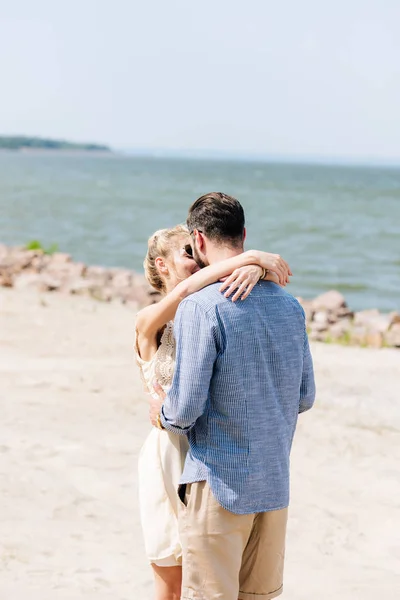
x=164 y=359
x=165 y=362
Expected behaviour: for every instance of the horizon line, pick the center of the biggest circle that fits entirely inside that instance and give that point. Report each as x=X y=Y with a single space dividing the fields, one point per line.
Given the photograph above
x=199 y=154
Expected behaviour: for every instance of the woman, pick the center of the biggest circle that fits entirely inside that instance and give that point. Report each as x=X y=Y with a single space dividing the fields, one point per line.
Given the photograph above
x=171 y=270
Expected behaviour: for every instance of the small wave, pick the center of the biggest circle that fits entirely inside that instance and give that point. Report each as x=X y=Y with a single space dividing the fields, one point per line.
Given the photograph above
x=349 y=287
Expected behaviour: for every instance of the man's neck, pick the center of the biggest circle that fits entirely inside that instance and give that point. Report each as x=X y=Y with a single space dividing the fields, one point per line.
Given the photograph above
x=218 y=253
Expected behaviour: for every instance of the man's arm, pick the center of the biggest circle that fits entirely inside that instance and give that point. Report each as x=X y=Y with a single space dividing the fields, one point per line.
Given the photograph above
x=307 y=388
x=196 y=352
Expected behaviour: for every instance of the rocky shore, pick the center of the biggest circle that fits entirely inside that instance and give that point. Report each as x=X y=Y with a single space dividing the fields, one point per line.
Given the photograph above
x=34 y=269
x=329 y=319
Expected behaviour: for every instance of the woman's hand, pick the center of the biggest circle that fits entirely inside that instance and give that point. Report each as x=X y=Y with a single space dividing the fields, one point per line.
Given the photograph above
x=155 y=402
x=274 y=263
x=242 y=280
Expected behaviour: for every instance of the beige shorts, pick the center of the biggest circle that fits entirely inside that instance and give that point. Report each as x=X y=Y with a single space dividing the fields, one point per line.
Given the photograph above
x=229 y=556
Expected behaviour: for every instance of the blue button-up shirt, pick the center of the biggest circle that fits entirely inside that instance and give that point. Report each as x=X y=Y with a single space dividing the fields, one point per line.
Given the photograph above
x=243 y=373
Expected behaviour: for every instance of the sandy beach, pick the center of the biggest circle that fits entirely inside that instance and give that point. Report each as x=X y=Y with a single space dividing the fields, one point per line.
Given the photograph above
x=74 y=417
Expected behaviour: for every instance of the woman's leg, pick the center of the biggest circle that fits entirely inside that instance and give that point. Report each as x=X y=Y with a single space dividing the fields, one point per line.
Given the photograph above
x=168 y=582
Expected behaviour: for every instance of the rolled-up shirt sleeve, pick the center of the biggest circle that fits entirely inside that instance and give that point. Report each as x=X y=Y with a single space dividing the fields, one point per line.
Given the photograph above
x=196 y=352
x=307 y=388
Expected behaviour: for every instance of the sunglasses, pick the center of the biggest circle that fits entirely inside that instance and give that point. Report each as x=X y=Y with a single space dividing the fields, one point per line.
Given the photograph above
x=189 y=250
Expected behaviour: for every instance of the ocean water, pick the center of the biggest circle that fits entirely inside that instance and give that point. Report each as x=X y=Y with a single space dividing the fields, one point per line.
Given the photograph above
x=338 y=226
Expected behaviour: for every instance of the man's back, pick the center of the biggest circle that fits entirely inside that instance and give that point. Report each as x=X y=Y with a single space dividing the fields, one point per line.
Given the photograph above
x=261 y=379
x=243 y=373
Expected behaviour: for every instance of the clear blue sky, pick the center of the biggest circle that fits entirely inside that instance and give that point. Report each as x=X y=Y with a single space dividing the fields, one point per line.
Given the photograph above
x=287 y=77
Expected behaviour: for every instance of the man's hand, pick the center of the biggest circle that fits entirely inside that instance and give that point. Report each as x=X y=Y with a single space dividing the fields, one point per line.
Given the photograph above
x=155 y=403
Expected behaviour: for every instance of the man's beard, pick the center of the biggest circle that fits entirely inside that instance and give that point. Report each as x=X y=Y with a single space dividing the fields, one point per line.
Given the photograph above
x=198 y=259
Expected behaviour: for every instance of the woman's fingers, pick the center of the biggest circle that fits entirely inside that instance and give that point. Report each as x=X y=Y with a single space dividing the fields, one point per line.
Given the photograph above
x=280 y=267
x=231 y=289
x=235 y=285
x=277 y=267
x=241 y=290
x=287 y=269
x=227 y=282
x=159 y=392
x=248 y=290
x=242 y=280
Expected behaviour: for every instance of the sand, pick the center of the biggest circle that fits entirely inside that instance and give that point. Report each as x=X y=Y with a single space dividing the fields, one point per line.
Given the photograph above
x=73 y=417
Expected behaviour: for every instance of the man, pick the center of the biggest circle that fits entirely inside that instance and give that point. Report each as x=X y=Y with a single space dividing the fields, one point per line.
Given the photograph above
x=243 y=373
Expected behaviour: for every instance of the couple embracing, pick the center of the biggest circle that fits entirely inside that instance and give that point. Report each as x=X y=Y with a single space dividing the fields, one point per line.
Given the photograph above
x=228 y=369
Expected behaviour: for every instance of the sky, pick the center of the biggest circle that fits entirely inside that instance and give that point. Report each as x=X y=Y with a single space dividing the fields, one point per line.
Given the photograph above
x=286 y=78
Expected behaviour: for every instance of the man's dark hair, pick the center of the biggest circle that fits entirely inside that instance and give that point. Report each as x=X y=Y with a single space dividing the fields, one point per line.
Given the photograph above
x=219 y=216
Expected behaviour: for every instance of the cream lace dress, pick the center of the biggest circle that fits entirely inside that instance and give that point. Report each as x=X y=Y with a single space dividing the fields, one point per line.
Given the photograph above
x=161 y=463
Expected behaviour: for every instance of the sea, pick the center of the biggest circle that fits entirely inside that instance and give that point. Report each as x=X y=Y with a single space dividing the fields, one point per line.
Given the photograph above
x=337 y=226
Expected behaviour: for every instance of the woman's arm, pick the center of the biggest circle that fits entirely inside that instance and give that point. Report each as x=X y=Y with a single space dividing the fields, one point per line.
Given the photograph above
x=242 y=280
x=152 y=318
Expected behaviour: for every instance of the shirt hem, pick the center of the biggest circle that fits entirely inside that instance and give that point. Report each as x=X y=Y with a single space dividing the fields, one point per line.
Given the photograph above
x=251 y=511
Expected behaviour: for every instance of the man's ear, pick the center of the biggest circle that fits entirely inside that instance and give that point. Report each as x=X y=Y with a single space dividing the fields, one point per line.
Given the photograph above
x=244 y=234
x=161 y=266
x=201 y=243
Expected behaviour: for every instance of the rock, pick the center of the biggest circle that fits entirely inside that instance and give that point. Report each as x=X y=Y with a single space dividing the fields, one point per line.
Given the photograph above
x=40 y=263
x=358 y=335
x=95 y=272
x=365 y=316
x=61 y=257
x=49 y=283
x=79 y=286
x=316 y=335
x=100 y=276
x=142 y=292
x=373 y=321
x=104 y=294
x=129 y=296
x=362 y=335
x=340 y=331
x=374 y=339
x=343 y=313
x=394 y=317
x=331 y=304
x=320 y=321
x=331 y=301
x=392 y=337
x=27 y=280
x=308 y=309
x=6 y=279
x=14 y=263
x=66 y=271
x=122 y=279
x=36 y=281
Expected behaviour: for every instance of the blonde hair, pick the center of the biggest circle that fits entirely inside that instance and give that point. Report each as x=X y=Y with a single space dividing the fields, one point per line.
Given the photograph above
x=159 y=245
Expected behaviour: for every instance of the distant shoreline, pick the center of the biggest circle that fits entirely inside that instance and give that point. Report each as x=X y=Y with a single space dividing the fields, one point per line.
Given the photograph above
x=21 y=143
x=57 y=152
